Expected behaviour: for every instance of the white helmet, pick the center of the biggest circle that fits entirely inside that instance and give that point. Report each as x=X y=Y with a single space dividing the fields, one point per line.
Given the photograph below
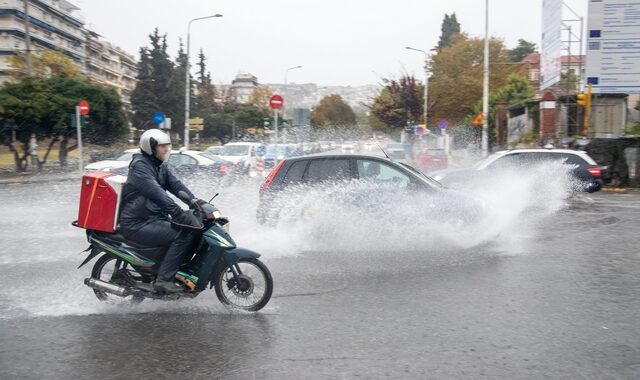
x=152 y=138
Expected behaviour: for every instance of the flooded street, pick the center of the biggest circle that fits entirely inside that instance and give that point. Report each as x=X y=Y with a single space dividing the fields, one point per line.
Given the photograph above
x=558 y=299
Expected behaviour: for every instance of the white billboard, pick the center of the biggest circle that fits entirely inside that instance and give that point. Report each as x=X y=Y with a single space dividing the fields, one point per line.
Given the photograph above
x=613 y=46
x=551 y=47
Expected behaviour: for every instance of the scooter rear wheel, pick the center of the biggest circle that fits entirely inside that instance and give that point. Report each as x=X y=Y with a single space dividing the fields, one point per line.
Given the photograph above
x=103 y=269
x=251 y=290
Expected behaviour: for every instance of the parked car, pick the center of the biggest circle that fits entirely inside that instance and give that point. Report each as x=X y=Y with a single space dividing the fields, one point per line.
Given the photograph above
x=190 y=162
x=242 y=154
x=431 y=160
x=231 y=167
x=122 y=162
x=349 y=147
x=397 y=151
x=278 y=152
x=585 y=169
x=396 y=180
x=324 y=145
x=214 y=150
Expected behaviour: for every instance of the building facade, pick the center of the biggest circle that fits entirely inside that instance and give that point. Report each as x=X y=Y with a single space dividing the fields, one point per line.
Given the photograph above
x=53 y=25
x=242 y=87
x=109 y=65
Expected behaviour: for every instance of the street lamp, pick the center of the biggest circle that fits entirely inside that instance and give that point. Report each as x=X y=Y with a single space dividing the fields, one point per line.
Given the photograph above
x=485 y=85
x=426 y=80
x=286 y=73
x=187 y=81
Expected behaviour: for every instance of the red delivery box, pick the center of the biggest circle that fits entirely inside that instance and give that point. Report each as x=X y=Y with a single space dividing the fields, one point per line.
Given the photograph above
x=100 y=201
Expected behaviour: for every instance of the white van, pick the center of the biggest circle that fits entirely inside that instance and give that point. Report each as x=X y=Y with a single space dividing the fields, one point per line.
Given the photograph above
x=243 y=154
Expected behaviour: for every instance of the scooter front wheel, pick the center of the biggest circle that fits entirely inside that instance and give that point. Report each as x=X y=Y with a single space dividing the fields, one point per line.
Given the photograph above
x=246 y=285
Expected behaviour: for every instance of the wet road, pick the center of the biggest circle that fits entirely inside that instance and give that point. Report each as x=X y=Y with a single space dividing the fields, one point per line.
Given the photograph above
x=563 y=303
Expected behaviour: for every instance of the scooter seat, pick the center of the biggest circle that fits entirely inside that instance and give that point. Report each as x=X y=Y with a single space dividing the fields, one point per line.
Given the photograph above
x=119 y=238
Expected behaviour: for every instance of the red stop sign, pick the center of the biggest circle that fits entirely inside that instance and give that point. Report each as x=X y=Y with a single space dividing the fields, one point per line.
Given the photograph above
x=84 y=107
x=276 y=102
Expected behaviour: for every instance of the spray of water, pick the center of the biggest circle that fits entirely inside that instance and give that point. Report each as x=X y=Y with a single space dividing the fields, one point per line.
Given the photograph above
x=352 y=220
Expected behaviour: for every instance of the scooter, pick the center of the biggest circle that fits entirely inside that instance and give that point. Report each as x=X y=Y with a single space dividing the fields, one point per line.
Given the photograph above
x=126 y=269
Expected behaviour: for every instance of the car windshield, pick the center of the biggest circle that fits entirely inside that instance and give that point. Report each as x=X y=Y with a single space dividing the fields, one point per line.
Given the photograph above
x=215 y=150
x=211 y=156
x=125 y=157
x=235 y=150
x=431 y=181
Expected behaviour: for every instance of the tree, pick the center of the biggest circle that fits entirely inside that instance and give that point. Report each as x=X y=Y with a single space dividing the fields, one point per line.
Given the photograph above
x=516 y=91
x=160 y=86
x=205 y=98
x=457 y=72
x=174 y=98
x=569 y=81
x=44 y=107
x=450 y=27
x=523 y=49
x=144 y=99
x=259 y=97
x=332 y=111
x=399 y=103
x=45 y=65
x=235 y=119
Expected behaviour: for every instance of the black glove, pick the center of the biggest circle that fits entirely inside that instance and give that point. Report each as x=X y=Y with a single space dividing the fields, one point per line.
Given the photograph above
x=198 y=202
x=188 y=220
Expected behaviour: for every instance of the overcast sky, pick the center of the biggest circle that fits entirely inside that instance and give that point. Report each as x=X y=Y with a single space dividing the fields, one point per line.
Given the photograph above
x=339 y=42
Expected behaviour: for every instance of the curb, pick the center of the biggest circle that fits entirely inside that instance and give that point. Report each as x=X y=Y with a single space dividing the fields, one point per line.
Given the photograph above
x=37 y=179
x=620 y=190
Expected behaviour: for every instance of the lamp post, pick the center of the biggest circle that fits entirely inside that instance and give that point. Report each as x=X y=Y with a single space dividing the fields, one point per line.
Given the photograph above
x=485 y=85
x=187 y=81
x=286 y=73
x=426 y=80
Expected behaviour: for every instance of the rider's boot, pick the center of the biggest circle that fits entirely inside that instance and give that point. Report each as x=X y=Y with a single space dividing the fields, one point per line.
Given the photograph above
x=168 y=287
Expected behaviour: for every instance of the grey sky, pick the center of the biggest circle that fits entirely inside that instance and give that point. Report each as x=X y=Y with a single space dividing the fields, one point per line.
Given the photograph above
x=348 y=42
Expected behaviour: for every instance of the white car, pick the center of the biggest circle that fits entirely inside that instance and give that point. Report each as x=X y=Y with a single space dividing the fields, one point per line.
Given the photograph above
x=214 y=150
x=197 y=162
x=109 y=165
x=242 y=154
x=349 y=146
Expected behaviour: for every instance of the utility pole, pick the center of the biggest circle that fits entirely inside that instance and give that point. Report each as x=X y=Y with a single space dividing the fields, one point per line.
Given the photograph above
x=485 y=85
x=426 y=80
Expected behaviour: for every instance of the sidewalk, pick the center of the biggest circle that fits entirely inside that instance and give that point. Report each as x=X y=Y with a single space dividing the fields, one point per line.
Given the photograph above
x=42 y=177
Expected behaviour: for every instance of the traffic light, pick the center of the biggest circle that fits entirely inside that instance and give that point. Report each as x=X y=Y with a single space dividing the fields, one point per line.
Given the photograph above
x=84 y=121
x=583 y=99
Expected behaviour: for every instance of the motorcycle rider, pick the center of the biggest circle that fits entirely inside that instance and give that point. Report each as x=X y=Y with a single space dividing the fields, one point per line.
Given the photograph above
x=146 y=207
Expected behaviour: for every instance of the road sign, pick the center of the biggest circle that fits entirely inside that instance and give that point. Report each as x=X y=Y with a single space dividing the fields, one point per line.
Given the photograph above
x=196 y=121
x=443 y=123
x=261 y=151
x=276 y=102
x=158 y=118
x=84 y=107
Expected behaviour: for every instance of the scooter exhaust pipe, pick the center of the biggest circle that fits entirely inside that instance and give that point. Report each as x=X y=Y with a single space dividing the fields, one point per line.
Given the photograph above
x=106 y=287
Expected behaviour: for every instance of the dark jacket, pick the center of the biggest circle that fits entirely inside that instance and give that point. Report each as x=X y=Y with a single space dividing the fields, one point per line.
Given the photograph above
x=144 y=196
